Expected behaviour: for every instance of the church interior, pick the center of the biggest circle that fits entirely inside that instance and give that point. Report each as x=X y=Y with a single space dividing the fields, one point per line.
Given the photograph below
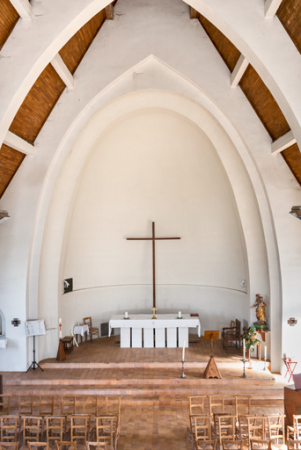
x=150 y=175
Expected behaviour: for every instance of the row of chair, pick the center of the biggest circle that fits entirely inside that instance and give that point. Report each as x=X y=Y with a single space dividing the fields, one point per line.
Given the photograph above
x=59 y=445
x=64 y=404
x=255 y=444
x=201 y=404
x=57 y=428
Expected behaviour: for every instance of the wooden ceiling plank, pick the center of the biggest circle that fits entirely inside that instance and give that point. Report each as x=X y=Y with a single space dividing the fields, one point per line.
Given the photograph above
x=271 y=7
x=17 y=143
x=109 y=10
x=264 y=103
x=239 y=70
x=10 y=161
x=63 y=71
x=289 y=14
x=8 y=19
x=23 y=7
x=224 y=46
x=74 y=50
x=283 y=143
x=292 y=157
x=193 y=13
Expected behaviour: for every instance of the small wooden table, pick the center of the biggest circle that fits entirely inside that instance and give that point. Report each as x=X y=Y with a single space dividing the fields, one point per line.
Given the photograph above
x=68 y=344
x=290 y=368
x=258 y=351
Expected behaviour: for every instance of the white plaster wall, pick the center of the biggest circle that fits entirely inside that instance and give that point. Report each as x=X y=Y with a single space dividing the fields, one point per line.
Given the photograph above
x=183 y=45
x=153 y=165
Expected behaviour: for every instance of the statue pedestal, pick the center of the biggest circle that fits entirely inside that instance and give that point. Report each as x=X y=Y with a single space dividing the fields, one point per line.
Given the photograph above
x=260 y=327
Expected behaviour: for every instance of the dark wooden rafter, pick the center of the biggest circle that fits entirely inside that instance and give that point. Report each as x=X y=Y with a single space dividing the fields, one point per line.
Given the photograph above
x=289 y=14
x=256 y=92
x=43 y=96
x=10 y=161
x=8 y=19
x=74 y=50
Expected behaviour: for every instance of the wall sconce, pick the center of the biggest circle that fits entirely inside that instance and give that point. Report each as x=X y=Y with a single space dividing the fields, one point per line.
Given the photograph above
x=3 y=216
x=296 y=212
x=292 y=321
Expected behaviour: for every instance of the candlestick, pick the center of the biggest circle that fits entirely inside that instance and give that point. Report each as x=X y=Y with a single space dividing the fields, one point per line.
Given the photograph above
x=244 y=348
x=126 y=315
x=183 y=374
x=265 y=358
x=183 y=353
x=179 y=314
x=60 y=328
x=244 y=369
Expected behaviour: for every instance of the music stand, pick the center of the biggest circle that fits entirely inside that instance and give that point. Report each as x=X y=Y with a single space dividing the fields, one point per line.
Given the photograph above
x=34 y=365
x=211 y=370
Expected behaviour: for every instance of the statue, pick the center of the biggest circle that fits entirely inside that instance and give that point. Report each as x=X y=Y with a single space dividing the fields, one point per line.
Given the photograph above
x=260 y=312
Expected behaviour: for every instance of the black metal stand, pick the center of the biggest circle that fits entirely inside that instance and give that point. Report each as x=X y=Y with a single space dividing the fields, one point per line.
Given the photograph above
x=244 y=369
x=183 y=374
x=34 y=365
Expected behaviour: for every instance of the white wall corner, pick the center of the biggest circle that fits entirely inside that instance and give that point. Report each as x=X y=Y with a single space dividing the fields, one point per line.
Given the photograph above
x=17 y=143
x=239 y=70
x=63 y=71
x=283 y=142
x=23 y=8
x=271 y=7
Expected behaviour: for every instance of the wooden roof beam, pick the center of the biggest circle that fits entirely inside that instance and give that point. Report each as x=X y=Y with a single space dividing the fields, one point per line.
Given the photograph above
x=271 y=7
x=63 y=71
x=239 y=70
x=17 y=143
x=283 y=143
x=23 y=8
x=193 y=13
x=109 y=11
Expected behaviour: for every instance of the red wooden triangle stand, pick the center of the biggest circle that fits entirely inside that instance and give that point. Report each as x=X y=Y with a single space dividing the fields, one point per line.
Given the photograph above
x=61 y=355
x=211 y=370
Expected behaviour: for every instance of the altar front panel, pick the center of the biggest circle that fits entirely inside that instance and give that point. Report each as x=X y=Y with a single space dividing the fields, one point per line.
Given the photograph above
x=144 y=325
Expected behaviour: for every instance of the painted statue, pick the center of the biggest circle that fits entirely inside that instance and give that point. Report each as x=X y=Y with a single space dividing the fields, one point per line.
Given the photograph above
x=260 y=310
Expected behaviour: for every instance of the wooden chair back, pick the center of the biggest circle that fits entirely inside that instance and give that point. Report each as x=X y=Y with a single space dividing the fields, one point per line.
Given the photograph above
x=256 y=428
x=88 y=321
x=294 y=432
x=25 y=405
x=242 y=404
x=9 y=445
x=216 y=404
x=90 y=405
x=201 y=425
x=46 y=405
x=108 y=405
x=105 y=426
x=31 y=426
x=67 y=405
x=293 y=444
x=234 y=445
x=275 y=423
x=242 y=421
x=79 y=427
x=65 y=445
x=55 y=428
x=226 y=428
x=260 y=444
x=238 y=328
x=9 y=426
x=38 y=445
x=206 y=445
x=5 y=400
x=197 y=405
x=96 y=446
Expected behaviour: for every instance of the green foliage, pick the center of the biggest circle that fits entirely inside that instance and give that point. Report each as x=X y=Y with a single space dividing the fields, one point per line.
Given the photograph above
x=249 y=334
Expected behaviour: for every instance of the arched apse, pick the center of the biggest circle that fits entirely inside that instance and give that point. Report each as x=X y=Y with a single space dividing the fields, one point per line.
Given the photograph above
x=236 y=165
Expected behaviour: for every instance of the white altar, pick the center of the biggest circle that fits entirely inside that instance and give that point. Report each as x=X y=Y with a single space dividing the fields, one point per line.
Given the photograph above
x=140 y=330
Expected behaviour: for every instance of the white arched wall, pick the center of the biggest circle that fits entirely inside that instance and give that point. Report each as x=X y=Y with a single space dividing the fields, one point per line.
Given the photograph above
x=66 y=184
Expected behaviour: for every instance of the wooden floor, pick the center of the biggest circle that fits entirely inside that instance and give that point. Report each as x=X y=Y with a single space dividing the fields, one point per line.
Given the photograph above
x=154 y=408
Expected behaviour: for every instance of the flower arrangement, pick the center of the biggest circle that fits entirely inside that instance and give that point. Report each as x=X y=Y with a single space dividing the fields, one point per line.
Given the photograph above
x=249 y=334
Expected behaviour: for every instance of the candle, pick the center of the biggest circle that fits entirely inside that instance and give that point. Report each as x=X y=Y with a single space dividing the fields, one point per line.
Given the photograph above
x=183 y=354
x=179 y=314
x=265 y=352
x=60 y=327
x=244 y=348
x=126 y=315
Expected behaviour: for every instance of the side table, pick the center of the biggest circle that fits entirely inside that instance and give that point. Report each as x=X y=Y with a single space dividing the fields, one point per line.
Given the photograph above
x=258 y=349
x=290 y=368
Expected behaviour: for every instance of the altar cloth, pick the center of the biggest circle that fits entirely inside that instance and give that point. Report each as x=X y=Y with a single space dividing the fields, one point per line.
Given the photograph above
x=81 y=329
x=131 y=329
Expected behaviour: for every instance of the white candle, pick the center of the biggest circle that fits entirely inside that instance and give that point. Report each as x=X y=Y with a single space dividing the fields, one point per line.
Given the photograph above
x=244 y=348
x=126 y=315
x=183 y=354
x=179 y=314
x=60 y=328
x=265 y=352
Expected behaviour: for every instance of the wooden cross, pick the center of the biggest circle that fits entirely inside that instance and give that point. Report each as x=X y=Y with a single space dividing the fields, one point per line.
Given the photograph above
x=153 y=239
x=154 y=313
